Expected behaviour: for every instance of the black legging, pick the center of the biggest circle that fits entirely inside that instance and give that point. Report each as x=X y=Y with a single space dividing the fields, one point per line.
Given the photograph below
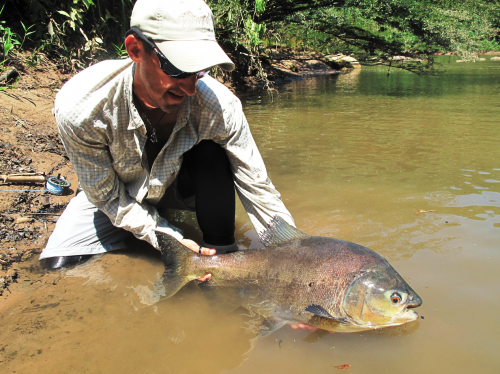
x=206 y=173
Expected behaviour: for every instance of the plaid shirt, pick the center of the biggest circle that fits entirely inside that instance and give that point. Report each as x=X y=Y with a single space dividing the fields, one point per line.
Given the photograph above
x=105 y=136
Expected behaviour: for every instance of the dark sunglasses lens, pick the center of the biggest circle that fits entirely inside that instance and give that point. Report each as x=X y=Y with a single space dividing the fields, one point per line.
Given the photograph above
x=184 y=75
x=168 y=68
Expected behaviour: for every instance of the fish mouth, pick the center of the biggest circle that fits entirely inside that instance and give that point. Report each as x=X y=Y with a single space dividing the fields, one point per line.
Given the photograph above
x=410 y=315
x=414 y=301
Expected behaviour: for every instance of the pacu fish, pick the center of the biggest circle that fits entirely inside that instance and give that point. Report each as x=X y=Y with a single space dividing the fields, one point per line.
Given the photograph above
x=328 y=283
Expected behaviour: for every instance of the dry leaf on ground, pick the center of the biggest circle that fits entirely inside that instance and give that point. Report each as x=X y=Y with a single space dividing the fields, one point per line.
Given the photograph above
x=343 y=367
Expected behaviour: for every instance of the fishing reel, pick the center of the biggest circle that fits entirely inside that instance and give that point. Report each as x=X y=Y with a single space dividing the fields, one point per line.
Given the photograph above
x=54 y=185
x=57 y=185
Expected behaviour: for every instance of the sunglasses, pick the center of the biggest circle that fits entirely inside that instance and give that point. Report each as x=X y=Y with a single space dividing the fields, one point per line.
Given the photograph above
x=165 y=65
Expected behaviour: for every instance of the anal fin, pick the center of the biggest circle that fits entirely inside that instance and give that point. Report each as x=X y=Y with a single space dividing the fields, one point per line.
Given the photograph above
x=225 y=299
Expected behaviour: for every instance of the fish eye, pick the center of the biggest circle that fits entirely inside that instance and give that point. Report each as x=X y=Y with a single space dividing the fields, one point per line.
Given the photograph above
x=396 y=298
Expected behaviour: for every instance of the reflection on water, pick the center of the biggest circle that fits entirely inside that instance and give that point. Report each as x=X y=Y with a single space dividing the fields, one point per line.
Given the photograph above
x=111 y=324
x=355 y=157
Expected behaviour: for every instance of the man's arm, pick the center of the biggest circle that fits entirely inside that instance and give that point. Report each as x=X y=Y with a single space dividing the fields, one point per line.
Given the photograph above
x=257 y=193
x=91 y=158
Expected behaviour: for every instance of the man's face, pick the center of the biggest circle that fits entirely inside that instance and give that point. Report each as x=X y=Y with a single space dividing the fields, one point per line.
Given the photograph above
x=163 y=91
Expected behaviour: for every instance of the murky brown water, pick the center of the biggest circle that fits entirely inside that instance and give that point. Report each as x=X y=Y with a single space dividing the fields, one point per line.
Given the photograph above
x=355 y=157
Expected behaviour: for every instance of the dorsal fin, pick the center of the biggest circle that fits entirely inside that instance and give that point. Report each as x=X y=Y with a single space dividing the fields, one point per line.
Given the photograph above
x=279 y=231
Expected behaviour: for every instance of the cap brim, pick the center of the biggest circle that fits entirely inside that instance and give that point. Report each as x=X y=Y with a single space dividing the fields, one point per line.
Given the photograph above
x=195 y=55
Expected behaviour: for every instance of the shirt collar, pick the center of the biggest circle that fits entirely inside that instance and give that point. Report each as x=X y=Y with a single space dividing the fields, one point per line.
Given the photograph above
x=135 y=119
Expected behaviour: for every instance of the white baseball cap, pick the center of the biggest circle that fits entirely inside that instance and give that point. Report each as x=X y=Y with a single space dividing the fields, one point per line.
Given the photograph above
x=183 y=30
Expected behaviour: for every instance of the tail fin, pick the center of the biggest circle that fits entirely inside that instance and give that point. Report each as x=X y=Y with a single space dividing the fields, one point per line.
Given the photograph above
x=175 y=256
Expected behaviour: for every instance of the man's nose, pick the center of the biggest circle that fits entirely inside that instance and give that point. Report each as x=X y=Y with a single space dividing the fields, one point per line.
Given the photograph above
x=188 y=85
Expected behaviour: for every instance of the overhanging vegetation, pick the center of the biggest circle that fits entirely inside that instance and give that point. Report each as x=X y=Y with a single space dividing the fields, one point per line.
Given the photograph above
x=79 y=32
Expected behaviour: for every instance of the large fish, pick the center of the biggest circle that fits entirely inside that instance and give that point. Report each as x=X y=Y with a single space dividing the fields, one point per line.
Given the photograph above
x=328 y=283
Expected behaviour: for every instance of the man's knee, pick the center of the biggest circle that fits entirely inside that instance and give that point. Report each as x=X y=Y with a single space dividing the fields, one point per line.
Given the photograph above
x=81 y=230
x=207 y=154
x=207 y=148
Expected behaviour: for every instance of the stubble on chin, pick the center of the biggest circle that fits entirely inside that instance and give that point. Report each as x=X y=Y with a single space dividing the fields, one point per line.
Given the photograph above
x=171 y=108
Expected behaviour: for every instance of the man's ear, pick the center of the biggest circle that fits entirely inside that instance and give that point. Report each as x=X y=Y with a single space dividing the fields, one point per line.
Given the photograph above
x=134 y=48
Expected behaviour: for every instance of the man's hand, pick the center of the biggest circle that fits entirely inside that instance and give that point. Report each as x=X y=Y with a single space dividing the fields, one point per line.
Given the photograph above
x=192 y=245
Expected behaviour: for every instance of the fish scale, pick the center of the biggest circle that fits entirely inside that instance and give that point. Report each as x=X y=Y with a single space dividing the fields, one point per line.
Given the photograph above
x=328 y=283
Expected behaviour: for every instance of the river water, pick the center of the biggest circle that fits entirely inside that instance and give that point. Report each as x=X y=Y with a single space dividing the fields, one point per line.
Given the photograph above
x=355 y=157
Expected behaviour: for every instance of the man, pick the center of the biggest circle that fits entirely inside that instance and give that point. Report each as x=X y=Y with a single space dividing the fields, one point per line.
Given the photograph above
x=153 y=132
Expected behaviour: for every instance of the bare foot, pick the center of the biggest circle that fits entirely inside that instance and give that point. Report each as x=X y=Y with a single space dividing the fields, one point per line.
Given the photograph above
x=204 y=278
x=304 y=326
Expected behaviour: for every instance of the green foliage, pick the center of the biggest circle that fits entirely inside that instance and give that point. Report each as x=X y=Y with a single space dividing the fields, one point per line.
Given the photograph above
x=79 y=32
x=369 y=29
x=76 y=32
x=27 y=32
x=7 y=38
x=239 y=34
x=260 y=6
x=395 y=27
x=120 y=50
x=8 y=42
x=254 y=34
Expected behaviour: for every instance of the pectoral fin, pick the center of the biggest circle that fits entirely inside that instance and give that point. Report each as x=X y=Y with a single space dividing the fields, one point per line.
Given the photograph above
x=324 y=320
x=319 y=311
